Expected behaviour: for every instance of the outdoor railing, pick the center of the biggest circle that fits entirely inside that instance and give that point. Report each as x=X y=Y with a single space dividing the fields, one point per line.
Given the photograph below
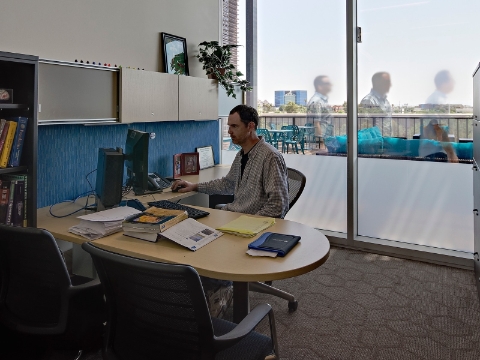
x=403 y=125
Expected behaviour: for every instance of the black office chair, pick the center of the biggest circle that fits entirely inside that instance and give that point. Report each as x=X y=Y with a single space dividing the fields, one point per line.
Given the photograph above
x=39 y=301
x=296 y=184
x=158 y=311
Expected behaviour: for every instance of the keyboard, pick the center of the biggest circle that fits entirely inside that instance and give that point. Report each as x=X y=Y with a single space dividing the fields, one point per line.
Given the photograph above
x=192 y=212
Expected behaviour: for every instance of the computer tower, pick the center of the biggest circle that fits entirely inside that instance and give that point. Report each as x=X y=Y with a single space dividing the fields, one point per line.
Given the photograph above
x=108 y=187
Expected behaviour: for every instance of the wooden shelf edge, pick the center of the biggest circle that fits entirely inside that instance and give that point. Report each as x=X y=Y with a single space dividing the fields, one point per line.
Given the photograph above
x=16 y=169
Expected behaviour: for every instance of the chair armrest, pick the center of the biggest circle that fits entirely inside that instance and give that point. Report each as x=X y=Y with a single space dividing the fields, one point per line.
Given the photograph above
x=243 y=328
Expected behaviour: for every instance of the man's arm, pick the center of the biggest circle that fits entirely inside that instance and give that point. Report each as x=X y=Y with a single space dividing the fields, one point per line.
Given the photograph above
x=223 y=186
x=275 y=182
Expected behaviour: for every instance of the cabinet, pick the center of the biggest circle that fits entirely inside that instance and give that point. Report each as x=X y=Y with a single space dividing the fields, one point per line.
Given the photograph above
x=198 y=98
x=476 y=176
x=20 y=73
x=152 y=96
x=148 y=96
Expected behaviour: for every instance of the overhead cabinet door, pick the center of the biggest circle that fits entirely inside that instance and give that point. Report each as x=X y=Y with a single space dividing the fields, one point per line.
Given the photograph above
x=148 y=96
x=198 y=98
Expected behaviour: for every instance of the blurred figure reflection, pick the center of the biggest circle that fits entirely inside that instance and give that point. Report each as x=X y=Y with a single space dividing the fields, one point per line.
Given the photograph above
x=442 y=149
x=318 y=108
x=444 y=84
x=376 y=102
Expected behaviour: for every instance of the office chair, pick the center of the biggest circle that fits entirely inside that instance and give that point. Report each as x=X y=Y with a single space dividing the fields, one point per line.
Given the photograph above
x=39 y=301
x=158 y=310
x=296 y=184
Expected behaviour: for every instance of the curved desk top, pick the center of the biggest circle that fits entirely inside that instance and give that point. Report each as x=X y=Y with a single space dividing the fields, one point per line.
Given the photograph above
x=225 y=258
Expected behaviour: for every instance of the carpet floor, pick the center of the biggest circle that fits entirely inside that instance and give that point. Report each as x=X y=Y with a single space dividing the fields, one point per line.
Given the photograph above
x=360 y=305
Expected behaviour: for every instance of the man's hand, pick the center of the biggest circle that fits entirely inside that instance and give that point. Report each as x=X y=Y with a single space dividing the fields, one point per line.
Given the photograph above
x=453 y=158
x=184 y=186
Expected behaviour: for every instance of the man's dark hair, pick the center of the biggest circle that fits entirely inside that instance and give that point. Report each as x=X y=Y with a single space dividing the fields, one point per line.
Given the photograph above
x=442 y=77
x=319 y=81
x=246 y=113
x=378 y=77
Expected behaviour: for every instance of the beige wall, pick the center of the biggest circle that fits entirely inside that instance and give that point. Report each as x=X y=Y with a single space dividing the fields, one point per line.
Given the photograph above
x=122 y=32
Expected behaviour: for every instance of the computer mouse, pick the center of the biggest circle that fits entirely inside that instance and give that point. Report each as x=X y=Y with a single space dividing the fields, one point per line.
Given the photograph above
x=178 y=188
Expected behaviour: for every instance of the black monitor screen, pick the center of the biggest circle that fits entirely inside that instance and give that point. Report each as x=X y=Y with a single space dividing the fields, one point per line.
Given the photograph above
x=136 y=160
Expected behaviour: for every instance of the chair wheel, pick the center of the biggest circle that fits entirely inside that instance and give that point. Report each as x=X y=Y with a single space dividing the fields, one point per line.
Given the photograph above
x=292 y=306
x=268 y=283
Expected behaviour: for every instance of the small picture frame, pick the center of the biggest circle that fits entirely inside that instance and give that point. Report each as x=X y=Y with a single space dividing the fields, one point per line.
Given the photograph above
x=205 y=155
x=191 y=164
x=175 y=54
x=185 y=164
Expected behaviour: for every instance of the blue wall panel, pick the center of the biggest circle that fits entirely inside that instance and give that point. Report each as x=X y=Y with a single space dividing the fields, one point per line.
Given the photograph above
x=67 y=153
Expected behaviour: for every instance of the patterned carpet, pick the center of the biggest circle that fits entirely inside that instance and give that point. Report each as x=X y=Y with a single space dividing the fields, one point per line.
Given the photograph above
x=366 y=306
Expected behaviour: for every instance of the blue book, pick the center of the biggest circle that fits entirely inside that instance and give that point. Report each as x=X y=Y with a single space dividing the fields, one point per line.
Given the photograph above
x=274 y=242
x=17 y=146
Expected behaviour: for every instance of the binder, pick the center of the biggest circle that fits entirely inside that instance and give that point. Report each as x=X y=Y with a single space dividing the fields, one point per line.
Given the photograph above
x=274 y=242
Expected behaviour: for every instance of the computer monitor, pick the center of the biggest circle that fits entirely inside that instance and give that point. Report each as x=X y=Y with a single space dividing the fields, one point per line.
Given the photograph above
x=136 y=160
x=108 y=185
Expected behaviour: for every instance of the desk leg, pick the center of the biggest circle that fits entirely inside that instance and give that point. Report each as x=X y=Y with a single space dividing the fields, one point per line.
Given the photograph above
x=241 y=303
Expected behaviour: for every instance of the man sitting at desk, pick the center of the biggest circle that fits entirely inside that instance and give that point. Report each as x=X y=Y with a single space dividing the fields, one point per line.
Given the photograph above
x=258 y=176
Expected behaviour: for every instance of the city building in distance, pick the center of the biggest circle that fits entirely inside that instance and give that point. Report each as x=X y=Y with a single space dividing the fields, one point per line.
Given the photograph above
x=283 y=97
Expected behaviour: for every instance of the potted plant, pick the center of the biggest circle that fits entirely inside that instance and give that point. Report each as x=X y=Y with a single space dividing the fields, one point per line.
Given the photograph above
x=216 y=61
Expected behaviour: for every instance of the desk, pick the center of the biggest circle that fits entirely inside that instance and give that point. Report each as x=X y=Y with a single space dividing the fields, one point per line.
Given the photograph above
x=224 y=258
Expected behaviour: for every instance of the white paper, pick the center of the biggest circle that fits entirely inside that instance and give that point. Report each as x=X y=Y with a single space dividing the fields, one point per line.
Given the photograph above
x=205 y=157
x=254 y=252
x=115 y=214
x=191 y=234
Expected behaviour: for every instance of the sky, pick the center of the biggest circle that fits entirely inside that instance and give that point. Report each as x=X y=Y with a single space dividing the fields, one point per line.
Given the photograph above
x=410 y=39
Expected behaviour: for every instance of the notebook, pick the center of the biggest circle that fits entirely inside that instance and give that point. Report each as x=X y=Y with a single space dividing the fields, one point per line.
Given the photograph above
x=274 y=242
x=247 y=226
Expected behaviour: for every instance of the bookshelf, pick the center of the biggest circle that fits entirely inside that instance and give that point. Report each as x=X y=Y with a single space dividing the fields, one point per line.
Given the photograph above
x=20 y=73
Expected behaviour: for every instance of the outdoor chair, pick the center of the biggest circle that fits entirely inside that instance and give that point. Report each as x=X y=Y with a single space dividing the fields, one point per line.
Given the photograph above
x=159 y=311
x=293 y=138
x=296 y=184
x=266 y=135
x=40 y=304
x=273 y=126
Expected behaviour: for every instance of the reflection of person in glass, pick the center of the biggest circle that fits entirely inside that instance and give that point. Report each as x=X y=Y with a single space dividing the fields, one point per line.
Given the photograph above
x=444 y=84
x=318 y=108
x=376 y=101
x=441 y=149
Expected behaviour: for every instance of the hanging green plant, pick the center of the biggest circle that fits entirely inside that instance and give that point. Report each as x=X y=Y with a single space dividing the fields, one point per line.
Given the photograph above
x=216 y=61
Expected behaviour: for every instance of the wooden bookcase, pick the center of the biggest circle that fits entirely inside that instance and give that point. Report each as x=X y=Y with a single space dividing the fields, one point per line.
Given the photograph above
x=20 y=73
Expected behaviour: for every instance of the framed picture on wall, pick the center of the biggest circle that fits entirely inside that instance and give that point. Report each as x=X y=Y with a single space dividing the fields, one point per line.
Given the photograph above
x=175 y=54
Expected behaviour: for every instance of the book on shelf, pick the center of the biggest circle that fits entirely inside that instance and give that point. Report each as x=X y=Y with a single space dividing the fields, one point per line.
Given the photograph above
x=7 y=146
x=4 y=197
x=154 y=220
x=20 y=201
x=17 y=146
x=3 y=133
x=8 y=217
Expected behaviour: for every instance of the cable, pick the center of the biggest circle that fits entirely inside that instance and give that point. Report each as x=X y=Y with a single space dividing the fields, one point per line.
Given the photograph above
x=86 y=207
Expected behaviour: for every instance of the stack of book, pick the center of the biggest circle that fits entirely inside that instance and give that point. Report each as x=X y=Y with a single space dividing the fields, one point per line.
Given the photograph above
x=12 y=137
x=148 y=224
x=13 y=200
x=156 y=223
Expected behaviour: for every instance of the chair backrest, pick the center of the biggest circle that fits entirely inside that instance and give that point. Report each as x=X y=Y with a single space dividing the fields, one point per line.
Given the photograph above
x=296 y=184
x=266 y=135
x=155 y=310
x=273 y=126
x=34 y=281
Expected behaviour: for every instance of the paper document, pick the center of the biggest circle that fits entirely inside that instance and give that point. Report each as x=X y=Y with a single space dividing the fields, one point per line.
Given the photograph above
x=103 y=223
x=253 y=252
x=247 y=226
x=191 y=234
x=116 y=214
